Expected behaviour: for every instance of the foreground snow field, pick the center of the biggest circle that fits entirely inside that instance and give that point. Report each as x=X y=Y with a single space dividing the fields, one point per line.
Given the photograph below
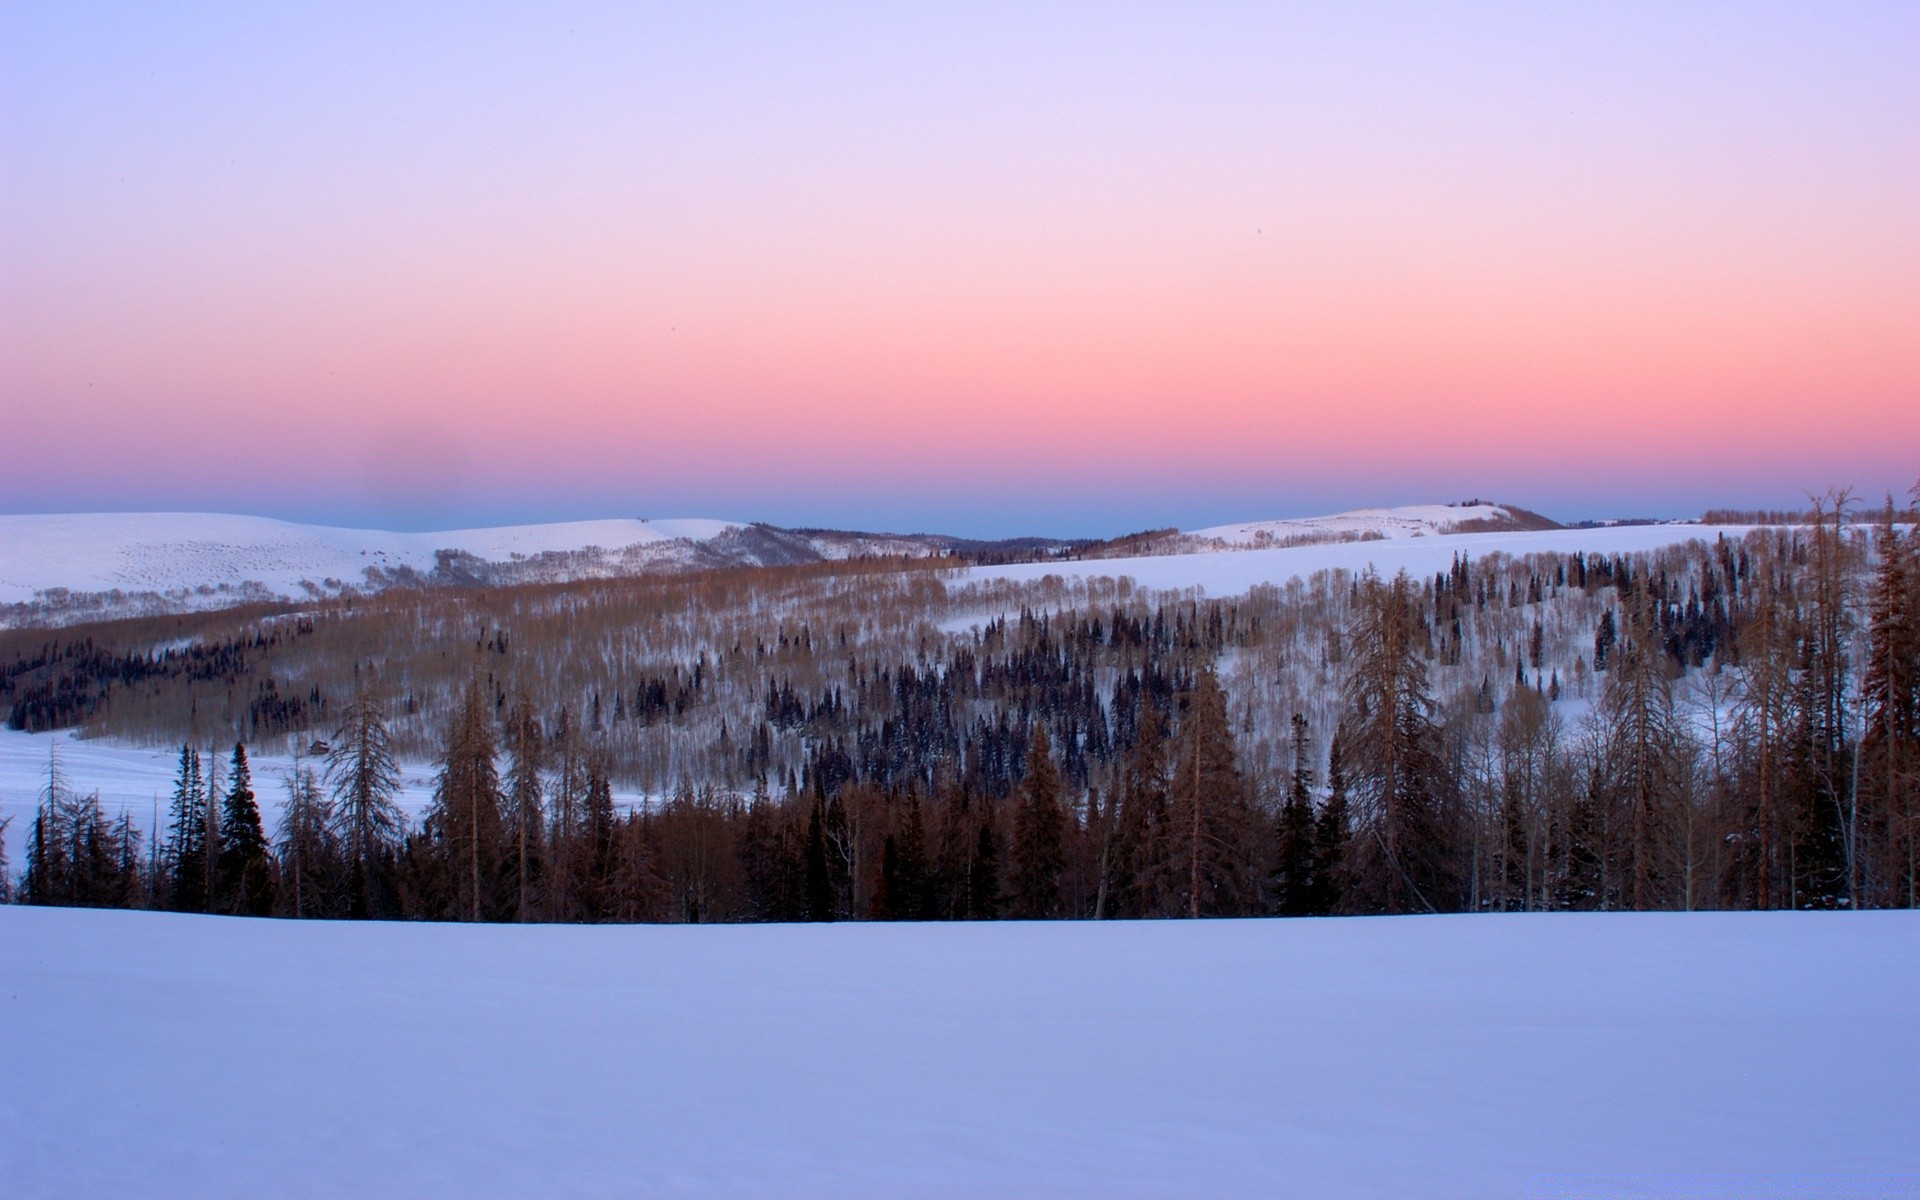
x=1737 y=1054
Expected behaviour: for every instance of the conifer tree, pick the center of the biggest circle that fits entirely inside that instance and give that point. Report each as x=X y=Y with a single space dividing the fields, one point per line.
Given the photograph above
x=1330 y=832
x=309 y=855
x=465 y=821
x=1891 y=697
x=526 y=823
x=365 y=778
x=1039 y=834
x=1140 y=856
x=245 y=866
x=1210 y=831
x=1397 y=860
x=1293 y=875
x=1643 y=756
x=983 y=876
x=187 y=837
x=820 y=898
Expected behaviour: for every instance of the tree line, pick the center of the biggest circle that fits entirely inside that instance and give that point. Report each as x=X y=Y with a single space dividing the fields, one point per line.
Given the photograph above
x=1741 y=729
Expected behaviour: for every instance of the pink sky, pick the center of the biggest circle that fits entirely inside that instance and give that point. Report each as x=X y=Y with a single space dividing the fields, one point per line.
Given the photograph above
x=1009 y=273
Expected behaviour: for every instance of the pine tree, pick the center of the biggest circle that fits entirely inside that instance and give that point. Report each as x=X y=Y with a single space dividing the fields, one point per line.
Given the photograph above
x=1210 y=830
x=245 y=867
x=1330 y=833
x=525 y=820
x=983 y=876
x=1039 y=834
x=1140 y=855
x=1397 y=861
x=820 y=898
x=187 y=837
x=1890 y=742
x=465 y=821
x=1643 y=753
x=365 y=778
x=309 y=855
x=1293 y=875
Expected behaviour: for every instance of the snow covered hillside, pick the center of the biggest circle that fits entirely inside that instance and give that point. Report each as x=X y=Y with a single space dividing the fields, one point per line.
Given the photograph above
x=1232 y=572
x=83 y=565
x=1724 y=1054
x=171 y=552
x=1414 y=520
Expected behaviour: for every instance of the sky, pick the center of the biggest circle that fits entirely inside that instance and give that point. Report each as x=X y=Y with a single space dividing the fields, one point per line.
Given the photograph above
x=984 y=269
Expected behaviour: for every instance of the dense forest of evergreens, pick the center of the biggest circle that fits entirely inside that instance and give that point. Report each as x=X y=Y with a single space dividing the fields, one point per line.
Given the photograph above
x=1732 y=723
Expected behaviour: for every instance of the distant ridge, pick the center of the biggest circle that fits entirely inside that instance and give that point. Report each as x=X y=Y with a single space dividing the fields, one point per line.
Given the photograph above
x=61 y=568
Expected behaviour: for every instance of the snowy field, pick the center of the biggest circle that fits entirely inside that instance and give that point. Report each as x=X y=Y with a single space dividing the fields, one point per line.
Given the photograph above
x=1750 y=1055
x=138 y=780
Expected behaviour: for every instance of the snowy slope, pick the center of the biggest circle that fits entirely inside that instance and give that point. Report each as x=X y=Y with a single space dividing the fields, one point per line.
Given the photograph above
x=1415 y=520
x=1703 y=1054
x=1232 y=572
x=171 y=552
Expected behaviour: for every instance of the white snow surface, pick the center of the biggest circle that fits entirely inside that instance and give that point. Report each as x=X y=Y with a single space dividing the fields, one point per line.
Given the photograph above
x=170 y=552
x=1413 y=520
x=1671 y=1055
x=138 y=780
x=1233 y=572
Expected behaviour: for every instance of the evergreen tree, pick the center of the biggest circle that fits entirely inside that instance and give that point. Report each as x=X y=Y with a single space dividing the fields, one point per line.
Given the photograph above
x=309 y=855
x=465 y=822
x=820 y=899
x=246 y=884
x=526 y=824
x=1210 y=830
x=983 y=877
x=1294 y=885
x=1890 y=738
x=187 y=837
x=1139 y=857
x=1397 y=861
x=1330 y=833
x=1643 y=754
x=365 y=778
x=1039 y=834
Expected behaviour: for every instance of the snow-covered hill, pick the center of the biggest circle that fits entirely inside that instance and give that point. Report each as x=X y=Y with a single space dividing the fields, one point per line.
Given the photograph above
x=1413 y=520
x=82 y=565
x=1231 y=572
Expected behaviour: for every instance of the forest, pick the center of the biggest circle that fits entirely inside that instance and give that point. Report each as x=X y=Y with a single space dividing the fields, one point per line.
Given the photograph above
x=1731 y=723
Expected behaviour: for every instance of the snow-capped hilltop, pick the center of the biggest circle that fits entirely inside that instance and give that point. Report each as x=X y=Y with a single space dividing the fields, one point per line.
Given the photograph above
x=1413 y=520
x=75 y=566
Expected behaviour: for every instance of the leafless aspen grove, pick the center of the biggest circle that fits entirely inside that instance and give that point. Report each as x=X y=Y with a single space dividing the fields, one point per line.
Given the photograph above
x=1727 y=723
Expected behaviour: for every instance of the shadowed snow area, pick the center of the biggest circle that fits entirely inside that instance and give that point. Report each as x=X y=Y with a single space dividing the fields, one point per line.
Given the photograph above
x=1479 y=1056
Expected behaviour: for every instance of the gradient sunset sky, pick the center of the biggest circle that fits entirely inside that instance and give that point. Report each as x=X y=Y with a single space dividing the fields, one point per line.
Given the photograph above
x=981 y=269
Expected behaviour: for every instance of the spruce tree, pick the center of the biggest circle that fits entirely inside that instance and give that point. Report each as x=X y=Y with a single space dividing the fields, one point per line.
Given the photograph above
x=1039 y=835
x=1330 y=832
x=1397 y=861
x=187 y=837
x=1210 y=831
x=1293 y=875
x=245 y=866
x=1890 y=738
x=820 y=898
x=465 y=820
x=526 y=824
x=368 y=824
x=983 y=875
x=309 y=855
